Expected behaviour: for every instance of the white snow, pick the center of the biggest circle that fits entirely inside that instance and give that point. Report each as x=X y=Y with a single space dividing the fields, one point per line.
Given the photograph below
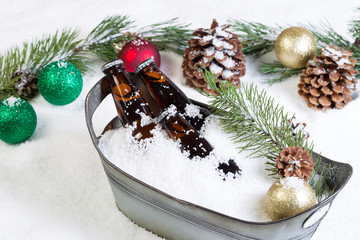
x=215 y=69
x=12 y=101
x=292 y=183
x=53 y=186
x=200 y=182
x=227 y=73
x=192 y=110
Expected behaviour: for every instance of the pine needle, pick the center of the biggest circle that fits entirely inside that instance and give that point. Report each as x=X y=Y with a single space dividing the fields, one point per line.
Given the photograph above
x=321 y=179
x=254 y=120
x=35 y=55
x=326 y=35
x=257 y=39
x=111 y=30
x=63 y=45
x=280 y=72
x=167 y=35
x=261 y=127
x=354 y=26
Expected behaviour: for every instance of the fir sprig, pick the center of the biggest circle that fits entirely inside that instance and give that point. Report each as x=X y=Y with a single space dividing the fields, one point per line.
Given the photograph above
x=35 y=55
x=261 y=127
x=60 y=46
x=354 y=26
x=109 y=31
x=259 y=39
x=318 y=181
x=281 y=72
x=64 y=45
x=326 y=35
x=254 y=120
x=116 y=30
x=168 y=35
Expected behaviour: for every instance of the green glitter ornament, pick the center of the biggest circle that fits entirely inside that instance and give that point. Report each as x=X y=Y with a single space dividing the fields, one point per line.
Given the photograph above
x=17 y=120
x=60 y=83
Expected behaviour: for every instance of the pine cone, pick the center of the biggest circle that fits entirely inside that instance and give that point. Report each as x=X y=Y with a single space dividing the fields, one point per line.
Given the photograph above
x=328 y=81
x=26 y=84
x=294 y=161
x=219 y=50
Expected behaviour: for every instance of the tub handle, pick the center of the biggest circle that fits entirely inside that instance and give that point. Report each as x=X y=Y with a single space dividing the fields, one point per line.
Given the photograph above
x=93 y=99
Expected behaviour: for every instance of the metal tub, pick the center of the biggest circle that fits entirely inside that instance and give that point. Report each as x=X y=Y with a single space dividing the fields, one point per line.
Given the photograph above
x=174 y=218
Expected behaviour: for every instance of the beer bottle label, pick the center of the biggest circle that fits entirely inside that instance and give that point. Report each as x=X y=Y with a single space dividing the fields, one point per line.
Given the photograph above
x=123 y=92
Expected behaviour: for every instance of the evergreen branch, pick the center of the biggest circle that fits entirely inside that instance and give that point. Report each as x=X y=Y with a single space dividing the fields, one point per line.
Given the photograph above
x=35 y=55
x=50 y=48
x=355 y=26
x=261 y=126
x=319 y=177
x=101 y=39
x=9 y=63
x=254 y=120
x=109 y=29
x=279 y=69
x=354 y=29
x=168 y=35
x=356 y=55
x=326 y=35
x=257 y=39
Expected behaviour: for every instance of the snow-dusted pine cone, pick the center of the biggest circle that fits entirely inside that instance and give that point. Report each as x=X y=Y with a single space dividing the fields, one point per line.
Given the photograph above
x=26 y=84
x=294 y=162
x=219 y=51
x=328 y=80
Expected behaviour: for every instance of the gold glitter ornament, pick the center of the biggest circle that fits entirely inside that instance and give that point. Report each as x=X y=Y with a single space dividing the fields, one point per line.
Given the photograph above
x=287 y=197
x=294 y=47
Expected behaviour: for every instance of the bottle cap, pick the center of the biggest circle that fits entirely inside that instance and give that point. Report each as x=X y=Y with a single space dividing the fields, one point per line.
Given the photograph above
x=111 y=64
x=143 y=65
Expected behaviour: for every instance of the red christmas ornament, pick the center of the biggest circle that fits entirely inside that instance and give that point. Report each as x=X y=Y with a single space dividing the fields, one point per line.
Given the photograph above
x=136 y=51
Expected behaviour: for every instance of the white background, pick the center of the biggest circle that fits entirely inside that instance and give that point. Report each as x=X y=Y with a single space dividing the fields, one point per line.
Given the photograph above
x=53 y=186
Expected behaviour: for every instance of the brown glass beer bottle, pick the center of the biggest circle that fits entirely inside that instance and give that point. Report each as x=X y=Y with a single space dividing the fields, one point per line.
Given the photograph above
x=129 y=103
x=176 y=126
x=164 y=90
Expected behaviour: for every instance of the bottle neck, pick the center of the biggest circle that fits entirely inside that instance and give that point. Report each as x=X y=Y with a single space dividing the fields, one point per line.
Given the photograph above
x=163 y=90
x=154 y=80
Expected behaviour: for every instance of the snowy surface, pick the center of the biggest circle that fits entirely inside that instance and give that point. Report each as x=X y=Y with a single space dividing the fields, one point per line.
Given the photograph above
x=53 y=186
x=240 y=197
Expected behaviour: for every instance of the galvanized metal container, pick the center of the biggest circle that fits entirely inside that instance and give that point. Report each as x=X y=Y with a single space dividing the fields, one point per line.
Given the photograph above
x=173 y=218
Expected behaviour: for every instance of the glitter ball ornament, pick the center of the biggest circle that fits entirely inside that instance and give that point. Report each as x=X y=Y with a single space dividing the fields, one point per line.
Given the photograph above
x=294 y=47
x=17 y=120
x=287 y=197
x=136 y=51
x=60 y=83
